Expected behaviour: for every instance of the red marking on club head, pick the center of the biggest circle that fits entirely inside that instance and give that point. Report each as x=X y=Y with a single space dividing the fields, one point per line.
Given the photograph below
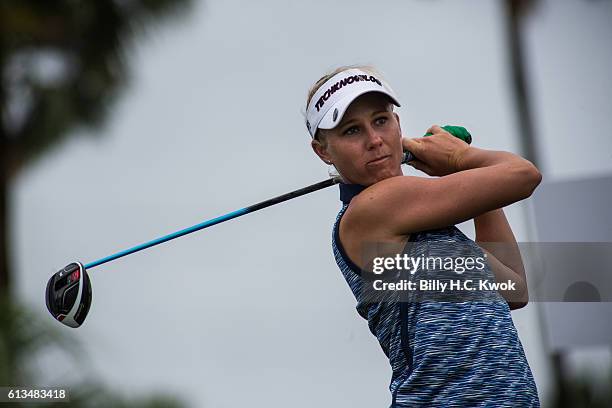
x=60 y=317
x=75 y=276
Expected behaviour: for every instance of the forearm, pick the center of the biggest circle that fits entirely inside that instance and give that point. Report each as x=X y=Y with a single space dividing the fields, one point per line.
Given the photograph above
x=494 y=234
x=517 y=295
x=473 y=157
x=494 y=231
x=514 y=176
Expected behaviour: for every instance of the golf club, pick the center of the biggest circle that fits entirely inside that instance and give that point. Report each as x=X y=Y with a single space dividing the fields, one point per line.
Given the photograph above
x=68 y=294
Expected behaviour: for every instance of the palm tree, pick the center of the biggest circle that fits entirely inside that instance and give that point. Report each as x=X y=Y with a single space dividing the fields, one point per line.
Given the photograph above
x=61 y=66
x=567 y=393
x=516 y=10
x=25 y=336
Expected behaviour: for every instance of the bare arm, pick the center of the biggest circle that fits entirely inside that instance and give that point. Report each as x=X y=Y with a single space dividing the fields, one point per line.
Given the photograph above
x=494 y=235
x=473 y=181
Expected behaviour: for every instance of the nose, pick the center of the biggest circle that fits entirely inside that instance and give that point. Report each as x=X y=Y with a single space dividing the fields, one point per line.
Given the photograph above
x=373 y=138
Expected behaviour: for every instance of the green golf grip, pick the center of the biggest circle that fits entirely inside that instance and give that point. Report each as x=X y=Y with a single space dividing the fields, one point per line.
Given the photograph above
x=458 y=131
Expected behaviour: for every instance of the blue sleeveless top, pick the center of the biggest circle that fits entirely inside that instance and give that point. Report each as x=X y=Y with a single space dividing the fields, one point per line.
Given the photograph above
x=443 y=353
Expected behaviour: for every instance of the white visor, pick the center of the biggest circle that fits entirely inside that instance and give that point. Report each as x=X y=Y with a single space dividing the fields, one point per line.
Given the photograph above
x=332 y=99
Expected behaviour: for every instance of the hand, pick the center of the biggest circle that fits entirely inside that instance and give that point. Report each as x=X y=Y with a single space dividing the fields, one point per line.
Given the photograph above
x=436 y=155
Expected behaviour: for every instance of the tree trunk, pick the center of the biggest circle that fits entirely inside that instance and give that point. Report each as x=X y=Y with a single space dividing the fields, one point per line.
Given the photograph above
x=5 y=280
x=515 y=9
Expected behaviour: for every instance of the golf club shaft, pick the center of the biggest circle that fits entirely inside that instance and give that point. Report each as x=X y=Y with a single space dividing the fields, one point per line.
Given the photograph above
x=456 y=131
x=217 y=220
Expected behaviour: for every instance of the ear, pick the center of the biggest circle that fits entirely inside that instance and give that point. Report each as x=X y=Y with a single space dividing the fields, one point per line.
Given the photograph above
x=321 y=150
x=398 y=122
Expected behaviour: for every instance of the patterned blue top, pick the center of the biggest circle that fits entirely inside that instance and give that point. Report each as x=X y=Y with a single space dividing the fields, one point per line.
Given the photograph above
x=443 y=353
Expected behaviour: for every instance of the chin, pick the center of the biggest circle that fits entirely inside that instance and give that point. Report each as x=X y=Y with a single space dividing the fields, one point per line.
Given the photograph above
x=380 y=177
x=387 y=173
x=370 y=177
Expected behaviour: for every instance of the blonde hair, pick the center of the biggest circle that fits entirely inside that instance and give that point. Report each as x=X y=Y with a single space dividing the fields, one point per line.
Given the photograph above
x=315 y=87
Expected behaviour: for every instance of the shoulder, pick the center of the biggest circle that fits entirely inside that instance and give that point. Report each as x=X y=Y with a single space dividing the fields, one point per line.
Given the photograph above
x=380 y=203
x=374 y=212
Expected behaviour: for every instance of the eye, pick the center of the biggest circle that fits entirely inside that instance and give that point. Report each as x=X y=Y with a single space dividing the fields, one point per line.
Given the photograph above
x=381 y=120
x=351 y=130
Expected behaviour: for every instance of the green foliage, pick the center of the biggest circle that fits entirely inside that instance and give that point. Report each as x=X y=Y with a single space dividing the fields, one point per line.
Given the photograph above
x=584 y=391
x=63 y=65
x=21 y=335
x=24 y=336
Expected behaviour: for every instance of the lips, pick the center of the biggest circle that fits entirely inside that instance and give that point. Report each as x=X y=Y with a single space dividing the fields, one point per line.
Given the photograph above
x=378 y=160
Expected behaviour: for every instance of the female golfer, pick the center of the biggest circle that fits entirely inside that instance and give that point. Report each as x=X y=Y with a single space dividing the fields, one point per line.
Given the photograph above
x=442 y=353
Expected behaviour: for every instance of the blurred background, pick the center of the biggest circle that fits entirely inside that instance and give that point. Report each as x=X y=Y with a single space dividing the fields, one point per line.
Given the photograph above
x=124 y=120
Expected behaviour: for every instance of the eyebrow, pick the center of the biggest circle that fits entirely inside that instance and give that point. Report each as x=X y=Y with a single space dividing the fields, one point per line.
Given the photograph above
x=346 y=122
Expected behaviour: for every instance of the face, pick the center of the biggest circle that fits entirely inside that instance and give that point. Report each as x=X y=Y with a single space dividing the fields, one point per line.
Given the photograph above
x=366 y=146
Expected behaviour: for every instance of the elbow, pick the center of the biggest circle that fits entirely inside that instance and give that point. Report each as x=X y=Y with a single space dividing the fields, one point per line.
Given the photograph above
x=519 y=299
x=535 y=177
x=517 y=305
x=530 y=178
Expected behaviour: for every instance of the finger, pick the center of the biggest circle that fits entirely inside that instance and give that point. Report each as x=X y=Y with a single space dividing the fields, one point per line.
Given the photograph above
x=413 y=163
x=419 y=165
x=435 y=129
x=414 y=146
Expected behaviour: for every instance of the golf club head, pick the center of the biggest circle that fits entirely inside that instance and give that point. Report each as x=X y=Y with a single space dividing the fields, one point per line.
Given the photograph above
x=69 y=295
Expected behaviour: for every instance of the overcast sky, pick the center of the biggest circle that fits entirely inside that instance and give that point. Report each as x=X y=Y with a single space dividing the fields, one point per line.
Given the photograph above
x=255 y=310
